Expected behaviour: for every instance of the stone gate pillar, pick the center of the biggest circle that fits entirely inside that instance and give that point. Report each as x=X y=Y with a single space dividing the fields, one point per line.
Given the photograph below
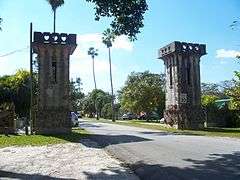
x=183 y=87
x=53 y=112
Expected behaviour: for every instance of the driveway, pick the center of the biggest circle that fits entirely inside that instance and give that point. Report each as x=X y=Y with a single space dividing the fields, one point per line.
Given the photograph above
x=166 y=156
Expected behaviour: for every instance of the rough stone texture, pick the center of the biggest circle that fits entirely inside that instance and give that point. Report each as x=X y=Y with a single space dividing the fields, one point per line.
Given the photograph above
x=54 y=52
x=183 y=90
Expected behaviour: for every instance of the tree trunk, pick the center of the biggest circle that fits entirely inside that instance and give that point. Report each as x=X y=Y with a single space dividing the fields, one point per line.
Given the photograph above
x=95 y=84
x=110 y=65
x=93 y=66
x=54 y=21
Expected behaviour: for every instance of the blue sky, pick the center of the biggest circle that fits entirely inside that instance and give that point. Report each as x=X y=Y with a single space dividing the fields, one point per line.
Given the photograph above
x=166 y=21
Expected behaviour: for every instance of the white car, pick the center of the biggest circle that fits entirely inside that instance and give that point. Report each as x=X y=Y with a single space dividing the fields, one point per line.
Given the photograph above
x=162 y=121
x=74 y=119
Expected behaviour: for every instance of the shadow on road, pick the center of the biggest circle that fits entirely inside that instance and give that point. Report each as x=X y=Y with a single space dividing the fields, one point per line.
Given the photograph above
x=12 y=175
x=107 y=140
x=216 y=167
x=90 y=125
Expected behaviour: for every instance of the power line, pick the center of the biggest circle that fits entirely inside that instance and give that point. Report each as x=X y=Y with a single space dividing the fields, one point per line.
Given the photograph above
x=15 y=51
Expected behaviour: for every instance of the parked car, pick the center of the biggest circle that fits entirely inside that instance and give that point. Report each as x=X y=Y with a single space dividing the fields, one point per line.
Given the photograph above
x=153 y=116
x=162 y=121
x=129 y=116
x=141 y=117
x=74 y=119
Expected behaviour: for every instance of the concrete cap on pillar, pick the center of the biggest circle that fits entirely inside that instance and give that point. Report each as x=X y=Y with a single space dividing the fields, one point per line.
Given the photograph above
x=48 y=38
x=182 y=47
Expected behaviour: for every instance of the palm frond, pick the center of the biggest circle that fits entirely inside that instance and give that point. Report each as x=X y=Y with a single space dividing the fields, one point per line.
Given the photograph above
x=55 y=3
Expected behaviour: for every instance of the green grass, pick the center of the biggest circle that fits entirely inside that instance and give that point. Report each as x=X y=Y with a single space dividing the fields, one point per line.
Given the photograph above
x=40 y=140
x=219 y=132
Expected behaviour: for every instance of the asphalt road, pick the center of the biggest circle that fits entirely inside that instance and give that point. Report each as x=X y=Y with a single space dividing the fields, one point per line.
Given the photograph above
x=155 y=155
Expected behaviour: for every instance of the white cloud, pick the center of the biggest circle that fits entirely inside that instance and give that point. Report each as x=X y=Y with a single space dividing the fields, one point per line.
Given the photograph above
x=222 y=53
x=10 y=64
x=122 y=42
x=84 y=66
x=95 y=40
x=81 y=62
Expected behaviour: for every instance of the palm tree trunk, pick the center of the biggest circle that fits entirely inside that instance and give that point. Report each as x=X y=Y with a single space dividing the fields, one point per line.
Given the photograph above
x=54 y=21
x=95 y=84
x=110 y=65
x=93 y=65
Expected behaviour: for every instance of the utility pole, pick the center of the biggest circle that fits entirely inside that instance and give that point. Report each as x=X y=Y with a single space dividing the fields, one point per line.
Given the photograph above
x=31 y=81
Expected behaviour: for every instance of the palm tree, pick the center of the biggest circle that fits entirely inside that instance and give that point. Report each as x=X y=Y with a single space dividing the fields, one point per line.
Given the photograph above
x=93 y=52
x=108 y=38
x=55 y=4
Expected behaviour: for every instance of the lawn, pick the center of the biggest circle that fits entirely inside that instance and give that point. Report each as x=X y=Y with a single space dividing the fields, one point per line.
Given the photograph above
x=220 y=132
x=40 y=140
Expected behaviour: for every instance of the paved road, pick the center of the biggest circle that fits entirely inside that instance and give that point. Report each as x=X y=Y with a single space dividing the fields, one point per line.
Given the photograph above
x=155 y=155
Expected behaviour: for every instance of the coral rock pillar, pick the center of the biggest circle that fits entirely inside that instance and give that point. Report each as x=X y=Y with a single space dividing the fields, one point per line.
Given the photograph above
x=183 y=90
x=53 y=112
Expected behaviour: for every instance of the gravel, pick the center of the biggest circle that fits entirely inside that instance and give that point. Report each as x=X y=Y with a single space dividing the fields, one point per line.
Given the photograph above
x=62 y=161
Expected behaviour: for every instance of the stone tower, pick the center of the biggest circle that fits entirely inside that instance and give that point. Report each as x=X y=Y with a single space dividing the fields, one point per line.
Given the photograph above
x=183 y=89
x=53 y=52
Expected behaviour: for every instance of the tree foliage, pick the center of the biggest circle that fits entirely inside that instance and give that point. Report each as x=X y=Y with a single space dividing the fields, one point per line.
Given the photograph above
x=55 y=4
x=16 y=89
x=97 y=96
x=234 y=93
x=209 y=100
x=127 y=15
x=143 y=92
x=76 y=94
x=107 y=112
x=108 y=38
x=217 y=89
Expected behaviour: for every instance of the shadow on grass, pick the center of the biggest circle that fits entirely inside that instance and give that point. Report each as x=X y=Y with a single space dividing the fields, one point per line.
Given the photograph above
x=215 y=167
x=165 y=133
x=13 y=175
x=223 y=130
x=75 y=136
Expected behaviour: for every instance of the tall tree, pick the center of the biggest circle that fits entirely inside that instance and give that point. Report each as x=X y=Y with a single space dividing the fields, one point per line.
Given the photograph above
x=93 y=52
x=55 y=4
x=108 y=38
x=143 y=92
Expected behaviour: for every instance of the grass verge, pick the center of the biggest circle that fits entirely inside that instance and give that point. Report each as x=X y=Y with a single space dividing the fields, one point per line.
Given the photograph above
x=218 y=132
x=40 y=140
